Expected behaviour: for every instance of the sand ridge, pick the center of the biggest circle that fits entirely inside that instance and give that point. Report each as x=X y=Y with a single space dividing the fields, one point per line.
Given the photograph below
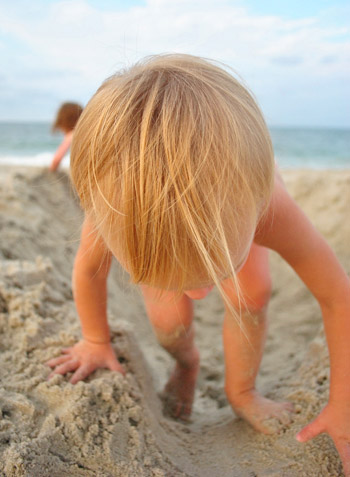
x=113 y=426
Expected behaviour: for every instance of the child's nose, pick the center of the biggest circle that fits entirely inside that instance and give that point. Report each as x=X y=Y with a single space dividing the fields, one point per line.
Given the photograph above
x=199 y=293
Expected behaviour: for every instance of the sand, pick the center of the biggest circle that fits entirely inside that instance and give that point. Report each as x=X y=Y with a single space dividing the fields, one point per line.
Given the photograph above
x=114 y=426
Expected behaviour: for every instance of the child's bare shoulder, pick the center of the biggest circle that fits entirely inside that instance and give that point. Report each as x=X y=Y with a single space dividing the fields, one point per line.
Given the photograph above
x=92 y=249
x=280 y=205
x=284 y=228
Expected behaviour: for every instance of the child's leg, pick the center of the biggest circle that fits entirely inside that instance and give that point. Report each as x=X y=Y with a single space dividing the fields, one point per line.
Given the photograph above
x=171 y=318
x=244 y=344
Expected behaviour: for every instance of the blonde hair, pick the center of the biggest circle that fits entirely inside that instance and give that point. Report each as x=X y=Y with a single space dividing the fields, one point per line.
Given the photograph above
x=172 y=159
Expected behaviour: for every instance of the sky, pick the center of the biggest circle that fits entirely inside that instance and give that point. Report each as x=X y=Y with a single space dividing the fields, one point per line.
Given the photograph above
x=293 y=55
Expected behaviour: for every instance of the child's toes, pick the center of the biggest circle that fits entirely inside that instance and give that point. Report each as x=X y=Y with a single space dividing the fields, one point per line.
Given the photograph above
x=276 y=423
x=184 y=412
x=170 y=404
x=285 y=417
x=289 y=406
x=272 y=425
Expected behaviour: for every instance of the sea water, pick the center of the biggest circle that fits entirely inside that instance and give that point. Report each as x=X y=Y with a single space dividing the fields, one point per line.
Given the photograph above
x=33 y=144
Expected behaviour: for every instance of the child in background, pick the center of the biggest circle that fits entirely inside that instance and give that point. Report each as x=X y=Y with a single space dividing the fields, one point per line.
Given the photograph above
x=174 y=168
x=66 y=120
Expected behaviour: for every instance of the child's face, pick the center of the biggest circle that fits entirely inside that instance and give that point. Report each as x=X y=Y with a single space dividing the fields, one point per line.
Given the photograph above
x=200 y=290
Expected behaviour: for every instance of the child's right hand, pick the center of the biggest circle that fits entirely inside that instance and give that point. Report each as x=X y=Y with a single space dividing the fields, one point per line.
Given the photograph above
x=83 y=358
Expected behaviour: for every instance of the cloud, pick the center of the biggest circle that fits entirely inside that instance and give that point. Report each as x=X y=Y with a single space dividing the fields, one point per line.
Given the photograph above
x=73 y=45
x=329 y=59
x=76 y=35
x=287 y=60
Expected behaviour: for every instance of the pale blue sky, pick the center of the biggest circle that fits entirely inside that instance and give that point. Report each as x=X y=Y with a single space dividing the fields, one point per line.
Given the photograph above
x=295 y=56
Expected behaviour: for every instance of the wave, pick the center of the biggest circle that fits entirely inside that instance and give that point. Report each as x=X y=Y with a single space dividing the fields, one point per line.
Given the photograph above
x=285 y=161
x=41 y=159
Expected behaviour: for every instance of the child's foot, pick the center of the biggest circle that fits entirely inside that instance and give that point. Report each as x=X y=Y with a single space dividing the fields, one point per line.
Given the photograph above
x=266 y=416
x=178 y=394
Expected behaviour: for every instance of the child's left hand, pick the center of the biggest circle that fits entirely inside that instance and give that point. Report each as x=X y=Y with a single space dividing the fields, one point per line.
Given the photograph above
x=335 y=420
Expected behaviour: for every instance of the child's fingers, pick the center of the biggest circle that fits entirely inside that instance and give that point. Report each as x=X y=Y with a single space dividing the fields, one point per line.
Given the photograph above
x=80 y=374
x=310 y=431
x=66 y=350
x=57 y=361
x=66 y=367
x=116 y=366
x=343 y=448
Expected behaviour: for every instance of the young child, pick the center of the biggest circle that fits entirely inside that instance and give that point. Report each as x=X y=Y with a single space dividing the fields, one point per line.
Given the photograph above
x=174 y=168
x=66 y=120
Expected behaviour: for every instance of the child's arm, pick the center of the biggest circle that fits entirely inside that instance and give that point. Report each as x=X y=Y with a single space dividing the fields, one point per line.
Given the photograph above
x=90 y=273
x=61 y=151
x=288 y=231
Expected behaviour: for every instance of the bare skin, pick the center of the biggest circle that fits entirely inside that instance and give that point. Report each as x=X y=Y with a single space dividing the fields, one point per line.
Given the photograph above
x=244 y=341
x=91 y=268
x=77 y=359
x=243 y=344
x=242 y=365
x=176 y=335
x=178 y=394
x=62 y=150
x=287 y=231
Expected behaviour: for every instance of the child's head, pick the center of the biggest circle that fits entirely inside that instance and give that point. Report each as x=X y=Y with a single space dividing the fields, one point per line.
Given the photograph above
x=173 y=162
x=67 y=117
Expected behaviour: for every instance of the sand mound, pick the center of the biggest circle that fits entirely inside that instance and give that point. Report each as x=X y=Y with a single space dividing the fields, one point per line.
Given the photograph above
x=113 y=426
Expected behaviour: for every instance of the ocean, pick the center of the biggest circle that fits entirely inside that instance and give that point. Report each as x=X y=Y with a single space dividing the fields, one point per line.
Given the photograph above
x=33 y=144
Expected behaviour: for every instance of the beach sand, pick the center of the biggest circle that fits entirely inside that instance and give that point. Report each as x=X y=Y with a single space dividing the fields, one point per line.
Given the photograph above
x=114 y=426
